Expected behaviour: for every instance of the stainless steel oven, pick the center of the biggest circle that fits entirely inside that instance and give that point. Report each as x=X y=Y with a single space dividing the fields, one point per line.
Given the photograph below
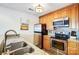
x=60 y=46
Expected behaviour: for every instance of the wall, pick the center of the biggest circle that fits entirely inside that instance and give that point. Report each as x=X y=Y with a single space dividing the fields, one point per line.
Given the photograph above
x=10 y=19
x=70 y=11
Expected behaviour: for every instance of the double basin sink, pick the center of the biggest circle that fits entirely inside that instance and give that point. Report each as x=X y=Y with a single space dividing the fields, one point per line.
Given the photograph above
x=19 y=48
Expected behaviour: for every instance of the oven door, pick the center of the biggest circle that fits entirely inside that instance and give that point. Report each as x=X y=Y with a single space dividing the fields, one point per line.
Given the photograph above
x=59 y=46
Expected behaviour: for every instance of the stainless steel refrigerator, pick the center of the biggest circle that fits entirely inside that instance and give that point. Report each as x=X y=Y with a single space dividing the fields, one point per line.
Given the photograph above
x=39 y=31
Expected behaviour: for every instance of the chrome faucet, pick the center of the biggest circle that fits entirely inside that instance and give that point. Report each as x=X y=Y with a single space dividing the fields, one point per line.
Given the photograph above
x=4 y=43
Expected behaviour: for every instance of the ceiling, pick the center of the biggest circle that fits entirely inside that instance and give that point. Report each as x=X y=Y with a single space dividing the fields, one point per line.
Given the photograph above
x=30 y=7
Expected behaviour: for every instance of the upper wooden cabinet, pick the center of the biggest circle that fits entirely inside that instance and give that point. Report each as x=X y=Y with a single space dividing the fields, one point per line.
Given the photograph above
x=72 y=12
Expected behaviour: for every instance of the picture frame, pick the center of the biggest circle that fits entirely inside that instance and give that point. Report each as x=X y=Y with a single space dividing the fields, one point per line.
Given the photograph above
x=24 y=26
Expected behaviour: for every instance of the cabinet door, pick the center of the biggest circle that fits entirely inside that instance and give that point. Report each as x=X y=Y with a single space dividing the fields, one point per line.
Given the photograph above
x=72 y=47
x=46 y=42
x=77 y=47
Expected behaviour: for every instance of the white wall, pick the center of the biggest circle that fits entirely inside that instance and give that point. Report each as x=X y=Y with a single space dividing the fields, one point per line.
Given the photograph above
x=10 y=19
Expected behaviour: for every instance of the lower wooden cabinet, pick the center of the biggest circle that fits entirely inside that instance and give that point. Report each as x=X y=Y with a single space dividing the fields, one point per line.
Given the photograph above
x=77 y=47
x=72 y=47
x=46 y=42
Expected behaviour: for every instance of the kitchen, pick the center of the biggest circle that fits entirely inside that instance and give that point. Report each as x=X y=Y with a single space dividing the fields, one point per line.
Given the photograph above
x=55 y=32
x=66 y=28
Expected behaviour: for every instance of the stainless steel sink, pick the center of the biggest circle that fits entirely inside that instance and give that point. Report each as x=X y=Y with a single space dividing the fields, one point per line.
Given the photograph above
x=19 y=48
x=22 y=51
x=16 y=45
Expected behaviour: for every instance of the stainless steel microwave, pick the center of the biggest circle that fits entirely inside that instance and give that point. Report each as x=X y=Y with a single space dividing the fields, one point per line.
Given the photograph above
x=61 y=23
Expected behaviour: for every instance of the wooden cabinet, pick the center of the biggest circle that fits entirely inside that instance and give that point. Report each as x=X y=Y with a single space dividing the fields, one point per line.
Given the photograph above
x=77 y=47
x=46 y=42
x=72 y=12
x=72 y=47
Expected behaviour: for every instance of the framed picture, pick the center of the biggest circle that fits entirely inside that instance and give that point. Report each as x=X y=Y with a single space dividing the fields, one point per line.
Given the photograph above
x=24 y=26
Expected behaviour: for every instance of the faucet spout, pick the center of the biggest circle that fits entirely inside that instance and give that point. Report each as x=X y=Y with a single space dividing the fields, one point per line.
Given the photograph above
x=4 y=43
